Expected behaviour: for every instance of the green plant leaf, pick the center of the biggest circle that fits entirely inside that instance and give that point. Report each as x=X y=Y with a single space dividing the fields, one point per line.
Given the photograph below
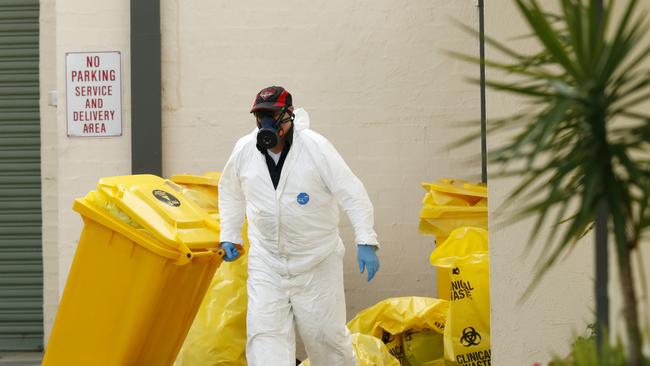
x=583 y=139
x=546 y=35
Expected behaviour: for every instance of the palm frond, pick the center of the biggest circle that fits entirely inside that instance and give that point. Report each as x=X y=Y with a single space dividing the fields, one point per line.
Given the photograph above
x=569 y=149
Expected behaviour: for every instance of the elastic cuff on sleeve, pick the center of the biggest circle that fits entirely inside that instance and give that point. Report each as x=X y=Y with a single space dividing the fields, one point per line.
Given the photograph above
x=235 y=239
x=373 y=244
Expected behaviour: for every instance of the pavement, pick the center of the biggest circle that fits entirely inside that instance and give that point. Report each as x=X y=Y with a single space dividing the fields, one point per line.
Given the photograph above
x=20 y=358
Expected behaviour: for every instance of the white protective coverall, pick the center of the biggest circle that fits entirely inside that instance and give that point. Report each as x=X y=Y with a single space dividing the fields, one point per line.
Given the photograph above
x=295 y=268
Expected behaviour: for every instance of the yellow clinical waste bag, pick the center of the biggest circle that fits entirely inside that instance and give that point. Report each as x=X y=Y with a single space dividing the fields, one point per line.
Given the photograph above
x=467 y=328
x=218 y=335
x=391 y=319
x=448 y=205
x=369 y=351
x=144 y=260
x=419 y=347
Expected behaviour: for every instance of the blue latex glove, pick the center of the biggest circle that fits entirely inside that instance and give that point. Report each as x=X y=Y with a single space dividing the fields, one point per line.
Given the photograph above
x=367 y=258
x=231 y=251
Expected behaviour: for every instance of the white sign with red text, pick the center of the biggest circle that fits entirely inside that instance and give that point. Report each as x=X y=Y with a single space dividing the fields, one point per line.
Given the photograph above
x=93 y=93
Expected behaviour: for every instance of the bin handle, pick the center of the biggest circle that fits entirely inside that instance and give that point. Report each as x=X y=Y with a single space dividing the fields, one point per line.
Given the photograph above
x=219 y=252
x=187 y=254
x=116 y=189
x=205 y=253
x=209 y=252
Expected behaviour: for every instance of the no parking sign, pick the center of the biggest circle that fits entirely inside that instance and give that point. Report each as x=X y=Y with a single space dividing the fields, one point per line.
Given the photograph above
x=93 y=94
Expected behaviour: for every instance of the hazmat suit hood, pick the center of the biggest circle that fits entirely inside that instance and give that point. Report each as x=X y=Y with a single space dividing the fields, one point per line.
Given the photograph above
x=301 y=121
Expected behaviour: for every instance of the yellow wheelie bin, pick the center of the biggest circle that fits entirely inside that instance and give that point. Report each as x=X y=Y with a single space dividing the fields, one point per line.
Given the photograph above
x=218 y=334
x=448 y=205
x=142 y=265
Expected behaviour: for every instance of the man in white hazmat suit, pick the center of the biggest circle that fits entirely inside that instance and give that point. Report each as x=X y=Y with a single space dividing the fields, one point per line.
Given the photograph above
x=288 y=181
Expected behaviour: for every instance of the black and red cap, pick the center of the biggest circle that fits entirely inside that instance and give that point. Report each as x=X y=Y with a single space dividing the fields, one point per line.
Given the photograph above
x=272 y=98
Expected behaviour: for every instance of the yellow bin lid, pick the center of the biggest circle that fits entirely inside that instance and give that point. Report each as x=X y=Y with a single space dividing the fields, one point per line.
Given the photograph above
x=457 y=186
x=207 y=179
x=159 y=206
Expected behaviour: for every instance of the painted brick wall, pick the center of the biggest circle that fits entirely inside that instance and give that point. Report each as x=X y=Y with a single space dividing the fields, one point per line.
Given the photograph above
x=375 y=81
x=72 y=166
x=561 y=306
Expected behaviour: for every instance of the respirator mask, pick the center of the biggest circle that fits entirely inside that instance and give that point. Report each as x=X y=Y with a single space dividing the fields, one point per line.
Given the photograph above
x=267 y=136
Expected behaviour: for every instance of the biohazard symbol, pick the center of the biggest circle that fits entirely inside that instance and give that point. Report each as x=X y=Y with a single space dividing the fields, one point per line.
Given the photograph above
x=387 y=337
x=470 y=337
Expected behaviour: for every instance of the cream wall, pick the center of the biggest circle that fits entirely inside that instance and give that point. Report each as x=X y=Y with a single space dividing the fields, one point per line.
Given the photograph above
x=562 y=305
x=375 y=82
x=72 y=166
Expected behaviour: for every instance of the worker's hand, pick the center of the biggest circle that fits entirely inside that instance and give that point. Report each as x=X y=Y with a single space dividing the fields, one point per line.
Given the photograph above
x=231 y=251
x=367 y=258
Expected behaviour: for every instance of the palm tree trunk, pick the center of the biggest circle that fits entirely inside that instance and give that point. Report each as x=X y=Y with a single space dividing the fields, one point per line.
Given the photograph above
x=602 y=273
x=630 y=313
x=602 y=235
